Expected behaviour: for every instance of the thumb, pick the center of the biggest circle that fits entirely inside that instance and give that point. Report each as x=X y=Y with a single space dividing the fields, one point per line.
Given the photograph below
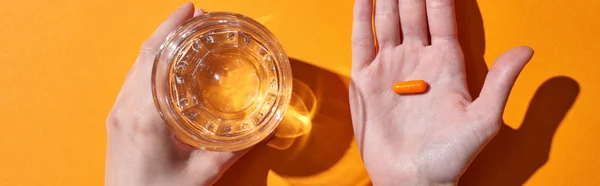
x=499 y=82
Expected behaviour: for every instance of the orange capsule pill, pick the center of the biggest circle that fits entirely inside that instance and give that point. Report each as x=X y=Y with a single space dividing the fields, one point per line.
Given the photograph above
x=410 y=87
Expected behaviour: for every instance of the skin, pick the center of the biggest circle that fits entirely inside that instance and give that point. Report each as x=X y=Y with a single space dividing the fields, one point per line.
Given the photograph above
x=429 y=138
x=140 y=149
x=425 y=139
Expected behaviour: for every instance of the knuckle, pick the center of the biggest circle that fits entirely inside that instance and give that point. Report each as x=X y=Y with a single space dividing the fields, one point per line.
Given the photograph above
x=112 y=122
x=129 y=74
x=142 y=125
x=410 y=2
x=363 y=14
x=437 y=4
x=449 y=39
x=115 y=119
x=363 y=42
x=147 y=51
x=132 y=121
x=386 y=13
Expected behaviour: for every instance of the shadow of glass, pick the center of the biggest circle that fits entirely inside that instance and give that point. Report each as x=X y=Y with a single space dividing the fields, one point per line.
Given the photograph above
x=513 y=156
x=297 y=120
x=310 y=144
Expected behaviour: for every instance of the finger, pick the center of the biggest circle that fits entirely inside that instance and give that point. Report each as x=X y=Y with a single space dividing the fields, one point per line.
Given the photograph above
x=442 y=21
x=363 y=44
x=414 y=21
x=143 y=65
x=198 y=12
x=212 y=164
x=387 y=23
x=499 y=82
x=136 y=91
x=183 y=13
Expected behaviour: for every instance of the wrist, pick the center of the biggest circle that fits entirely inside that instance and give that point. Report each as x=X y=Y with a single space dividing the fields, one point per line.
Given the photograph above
x=410 y=179
x=427 y=182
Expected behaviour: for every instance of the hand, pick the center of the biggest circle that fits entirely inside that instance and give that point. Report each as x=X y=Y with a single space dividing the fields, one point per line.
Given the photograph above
x=429 y=138
x=140 y=149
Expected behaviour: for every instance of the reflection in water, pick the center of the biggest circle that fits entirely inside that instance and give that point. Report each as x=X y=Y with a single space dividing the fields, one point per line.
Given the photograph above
x=297 y=120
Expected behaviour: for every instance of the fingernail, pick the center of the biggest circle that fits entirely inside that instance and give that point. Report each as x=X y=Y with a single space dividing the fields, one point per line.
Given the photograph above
x=198 y=12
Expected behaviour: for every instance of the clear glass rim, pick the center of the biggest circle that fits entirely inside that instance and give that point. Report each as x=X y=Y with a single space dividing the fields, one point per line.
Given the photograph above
x=161 y=86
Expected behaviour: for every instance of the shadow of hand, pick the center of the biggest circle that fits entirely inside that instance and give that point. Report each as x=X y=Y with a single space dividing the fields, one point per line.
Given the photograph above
x=515 y=155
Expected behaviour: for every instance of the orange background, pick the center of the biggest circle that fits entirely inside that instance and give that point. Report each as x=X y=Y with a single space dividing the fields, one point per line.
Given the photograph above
x=62 y=64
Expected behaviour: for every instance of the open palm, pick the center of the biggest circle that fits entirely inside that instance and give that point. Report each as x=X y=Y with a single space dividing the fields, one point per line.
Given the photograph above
x=428 y=138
